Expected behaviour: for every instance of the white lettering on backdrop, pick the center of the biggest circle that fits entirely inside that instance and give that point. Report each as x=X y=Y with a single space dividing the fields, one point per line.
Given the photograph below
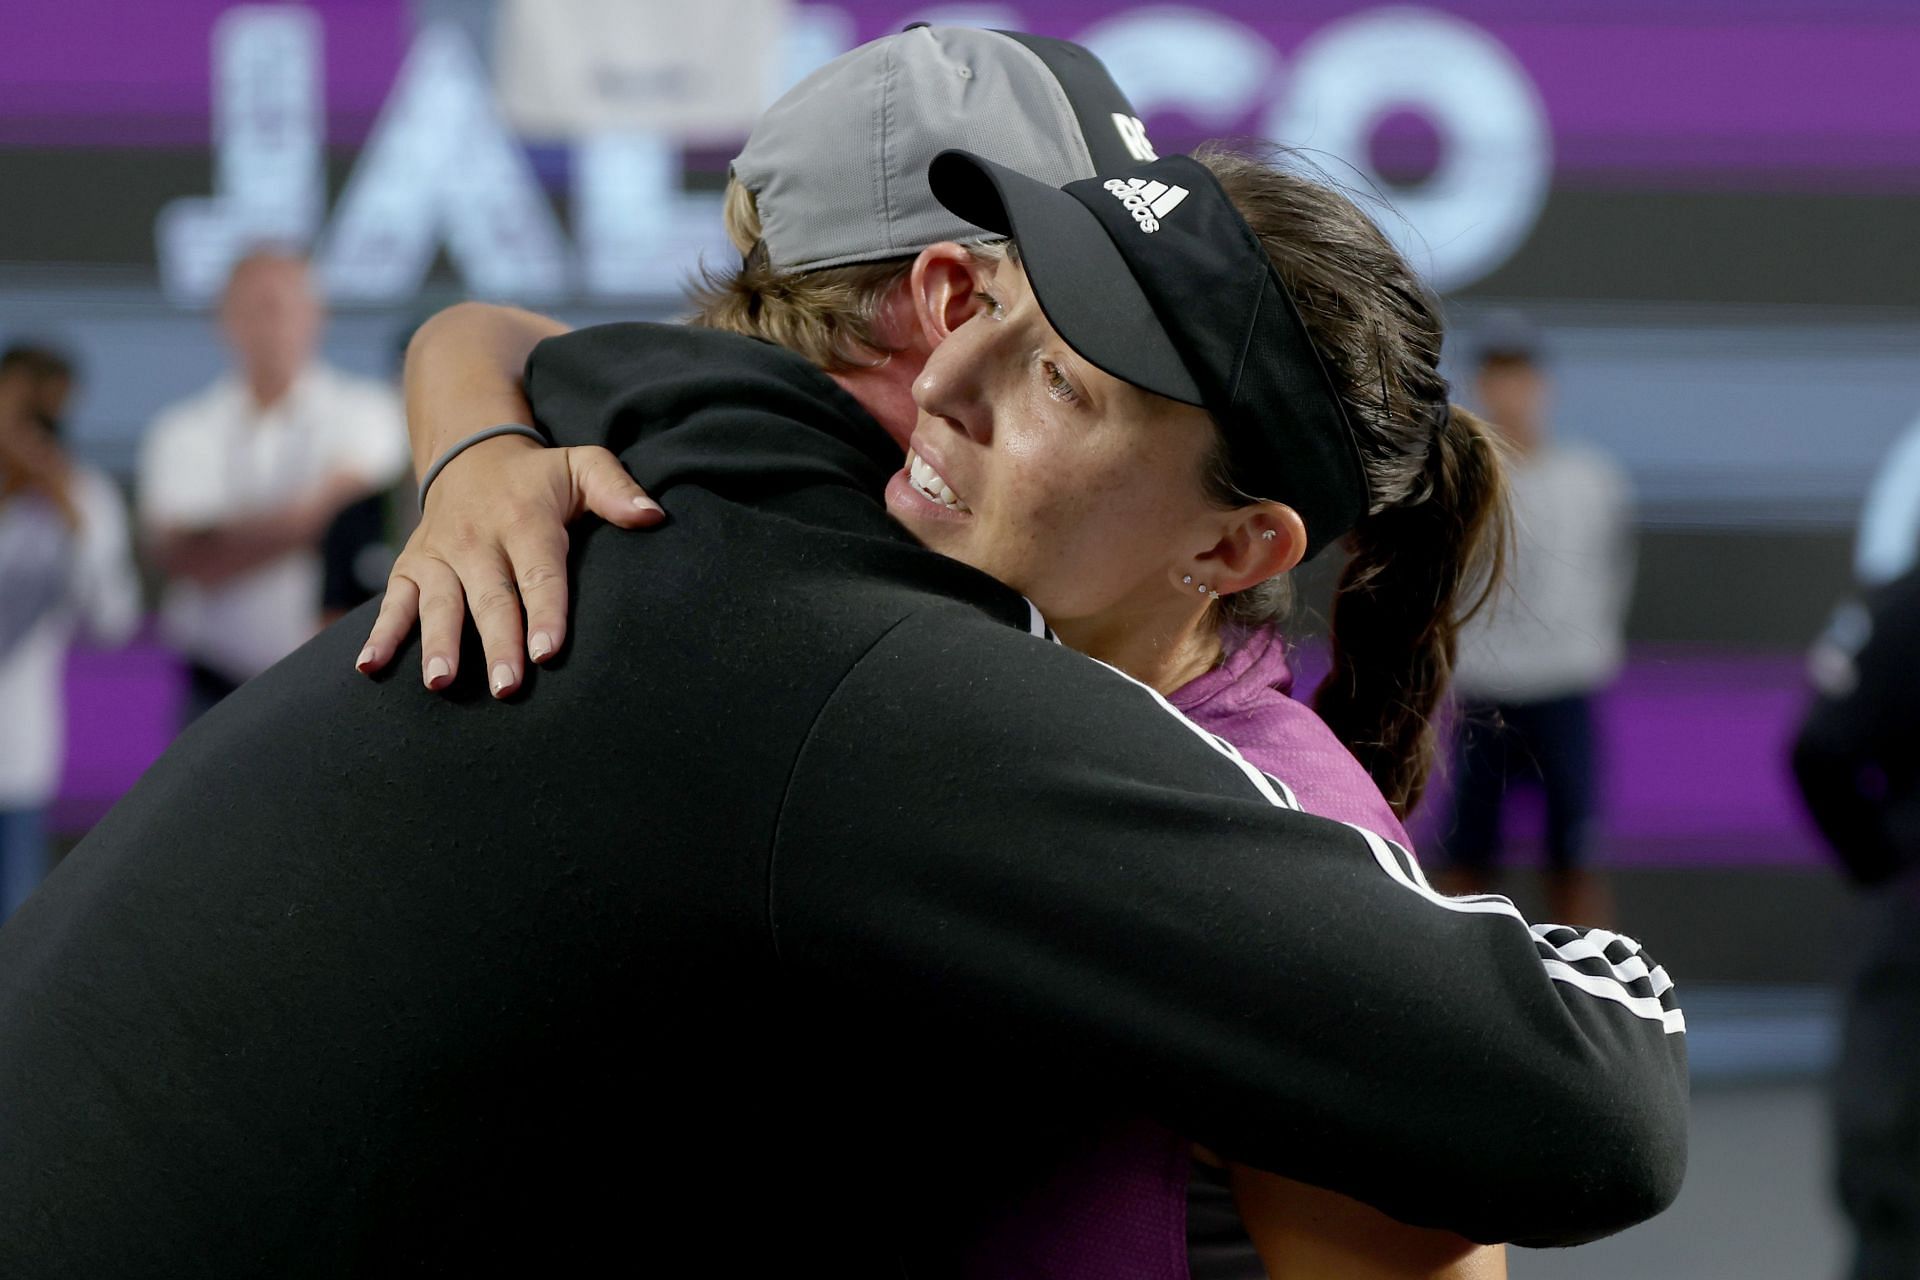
x=269 y=169
x=442 y=168
x=1496 y=152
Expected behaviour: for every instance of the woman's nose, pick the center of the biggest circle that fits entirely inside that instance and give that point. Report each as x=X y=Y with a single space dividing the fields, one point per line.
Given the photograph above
x=952 y=386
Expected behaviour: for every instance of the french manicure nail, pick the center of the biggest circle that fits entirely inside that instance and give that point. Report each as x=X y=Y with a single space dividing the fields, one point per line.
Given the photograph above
x=437 y=670
x=539 y=646
x=365 y=658
x=502 y=676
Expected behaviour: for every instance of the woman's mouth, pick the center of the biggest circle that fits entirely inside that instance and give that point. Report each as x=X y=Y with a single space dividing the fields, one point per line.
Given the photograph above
x=929 y=484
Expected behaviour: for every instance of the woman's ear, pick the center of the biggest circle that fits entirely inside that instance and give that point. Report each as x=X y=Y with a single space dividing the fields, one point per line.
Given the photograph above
x=944 y=285
x=1259 y=542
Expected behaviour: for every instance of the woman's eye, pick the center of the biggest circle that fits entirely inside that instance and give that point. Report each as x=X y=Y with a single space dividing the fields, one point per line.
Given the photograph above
x=1057 y=385
x=992 y=304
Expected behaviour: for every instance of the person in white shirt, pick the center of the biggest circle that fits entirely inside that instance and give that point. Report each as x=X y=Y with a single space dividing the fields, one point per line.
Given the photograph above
x=1548 y=641
x=65 y=567
x=239 y=483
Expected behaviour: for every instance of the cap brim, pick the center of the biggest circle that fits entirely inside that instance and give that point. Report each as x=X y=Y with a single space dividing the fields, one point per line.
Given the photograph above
x=1079 y=276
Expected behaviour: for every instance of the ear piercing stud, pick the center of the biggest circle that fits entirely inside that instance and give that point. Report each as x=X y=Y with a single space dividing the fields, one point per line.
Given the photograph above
x=1268 y=535
x=1187 y=581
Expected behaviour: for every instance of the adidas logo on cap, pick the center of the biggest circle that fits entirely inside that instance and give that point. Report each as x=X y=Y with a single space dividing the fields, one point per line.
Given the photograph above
x=1148 y=202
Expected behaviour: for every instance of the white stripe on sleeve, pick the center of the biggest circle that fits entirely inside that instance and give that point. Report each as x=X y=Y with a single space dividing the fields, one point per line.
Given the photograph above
x=1649 y=1007
x=1557 y=966
x=1403 y=868
x=1261 y=782
x=1593 y=946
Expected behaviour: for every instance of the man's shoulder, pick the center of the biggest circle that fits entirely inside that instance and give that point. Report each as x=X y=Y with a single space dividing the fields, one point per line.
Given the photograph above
x=735 y=401
x=997 y=647
x=705 y=366
x=633 y=340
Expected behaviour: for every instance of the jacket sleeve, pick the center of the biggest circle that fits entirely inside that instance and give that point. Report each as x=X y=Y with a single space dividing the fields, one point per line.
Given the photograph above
x=987 y=832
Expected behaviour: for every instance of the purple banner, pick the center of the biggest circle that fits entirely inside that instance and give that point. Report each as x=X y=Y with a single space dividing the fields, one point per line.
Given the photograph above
x=116 y=73
x=1795 y=94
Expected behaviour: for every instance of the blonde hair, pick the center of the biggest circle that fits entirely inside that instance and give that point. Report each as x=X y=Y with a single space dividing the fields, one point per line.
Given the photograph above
x=831 y=316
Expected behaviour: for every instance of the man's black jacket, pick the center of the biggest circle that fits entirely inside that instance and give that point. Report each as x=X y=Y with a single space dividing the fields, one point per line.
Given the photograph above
x=794 y=915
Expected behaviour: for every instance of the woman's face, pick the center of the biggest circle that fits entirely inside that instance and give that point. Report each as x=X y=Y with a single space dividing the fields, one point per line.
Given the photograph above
x=1077 y=489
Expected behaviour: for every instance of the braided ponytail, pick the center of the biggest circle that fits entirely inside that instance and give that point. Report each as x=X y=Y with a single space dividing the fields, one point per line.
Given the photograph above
x=1419 y=569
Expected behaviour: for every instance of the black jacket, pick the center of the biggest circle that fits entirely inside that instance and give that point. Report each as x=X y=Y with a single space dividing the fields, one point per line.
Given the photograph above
x=1857 y=755
x=798 y=911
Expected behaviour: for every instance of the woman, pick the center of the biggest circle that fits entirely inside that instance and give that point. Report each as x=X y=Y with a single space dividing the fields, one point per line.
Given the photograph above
x=1107 y=468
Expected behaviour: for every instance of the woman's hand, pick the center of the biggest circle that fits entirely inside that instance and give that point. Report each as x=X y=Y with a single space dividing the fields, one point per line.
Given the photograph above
x=493 y=538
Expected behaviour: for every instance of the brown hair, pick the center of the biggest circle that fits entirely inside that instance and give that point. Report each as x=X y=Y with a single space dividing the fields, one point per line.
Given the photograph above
x=36 y=362
x=830 y=316
x=1429 y=551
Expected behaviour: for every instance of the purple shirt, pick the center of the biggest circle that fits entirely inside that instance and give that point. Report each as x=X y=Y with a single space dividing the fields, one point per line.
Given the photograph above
x=1117 y=1209
x=1247 y=700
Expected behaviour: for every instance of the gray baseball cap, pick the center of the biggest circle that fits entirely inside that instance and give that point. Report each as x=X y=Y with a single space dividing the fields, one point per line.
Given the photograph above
x=838 y=166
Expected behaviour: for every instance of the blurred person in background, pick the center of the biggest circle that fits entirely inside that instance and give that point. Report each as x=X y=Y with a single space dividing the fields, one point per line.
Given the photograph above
x=65 y=566
x=1888 y=541
x=359 y=547
x=239 y=483
x=1552 y=638
x=1857 y=760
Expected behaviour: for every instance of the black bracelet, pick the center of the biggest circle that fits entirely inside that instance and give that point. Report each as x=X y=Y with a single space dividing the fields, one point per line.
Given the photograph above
x=461 y=446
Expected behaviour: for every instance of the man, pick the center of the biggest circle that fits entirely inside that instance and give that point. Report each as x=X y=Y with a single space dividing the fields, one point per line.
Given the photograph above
x=239 y=483
x=38 y=522
x=755 y=907
x=1857 y=759
x=1532 y=662
x=65 y=566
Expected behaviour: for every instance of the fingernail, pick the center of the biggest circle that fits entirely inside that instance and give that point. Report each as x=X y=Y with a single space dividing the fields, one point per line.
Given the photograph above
x=365 y=659
x=645 y=504
x=502 y=676
x=437 y=670
x=539 y=646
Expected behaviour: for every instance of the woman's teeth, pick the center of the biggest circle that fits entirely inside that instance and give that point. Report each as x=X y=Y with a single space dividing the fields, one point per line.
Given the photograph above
x=928 y=482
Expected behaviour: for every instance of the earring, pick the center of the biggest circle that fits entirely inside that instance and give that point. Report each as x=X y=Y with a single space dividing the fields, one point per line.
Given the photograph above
x=1268 y=535
x=1213 y=595
x=1203 y=588
x=1187 y=581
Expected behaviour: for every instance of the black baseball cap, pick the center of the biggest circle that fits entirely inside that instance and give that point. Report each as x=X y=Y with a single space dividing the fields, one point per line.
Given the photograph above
x=1152 y=275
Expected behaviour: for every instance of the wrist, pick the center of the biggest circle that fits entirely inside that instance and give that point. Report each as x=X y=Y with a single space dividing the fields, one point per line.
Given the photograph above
x=497 y=438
